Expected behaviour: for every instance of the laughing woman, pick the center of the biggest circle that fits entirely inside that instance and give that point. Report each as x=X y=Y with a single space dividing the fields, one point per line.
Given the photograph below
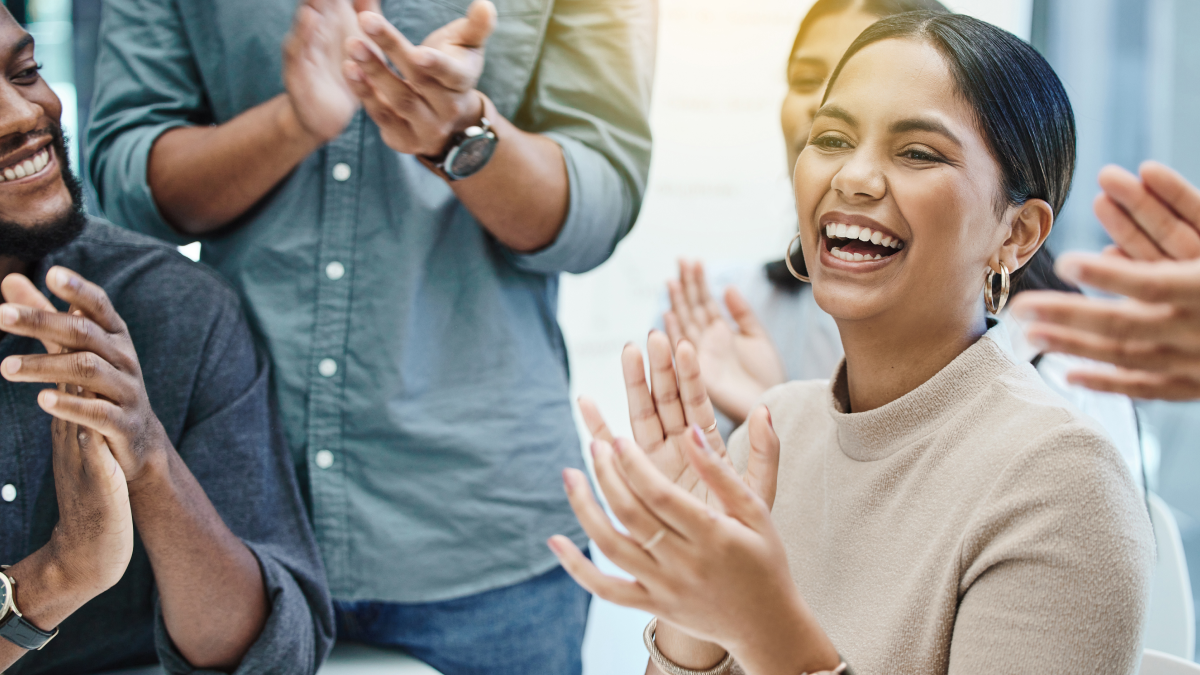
x=938 y=509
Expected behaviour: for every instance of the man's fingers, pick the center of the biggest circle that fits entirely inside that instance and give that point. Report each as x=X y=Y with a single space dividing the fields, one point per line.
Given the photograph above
x=1165 y=281
x=479 y=25
x=76 y=333
x=762 y=471
x=594 y=420
x=643 y=416
x=396 y=47
x=82 y=369
x=697 y=407
x=1114 y=319
x=86 y=297
x=1172 y=188
x=664 y=388
x=586 y=574
x=743 y=315
x=665 y=500
x=619 y=548
x=19 y=290
x=1128 y=236
x=739 y=500
x=1138 y=383
x=1175 y=237
x=93 y=413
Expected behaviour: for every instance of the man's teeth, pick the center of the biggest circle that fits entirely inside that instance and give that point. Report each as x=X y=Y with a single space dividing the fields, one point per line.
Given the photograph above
x=26 y=168
x=853 y=257
x=844 y=231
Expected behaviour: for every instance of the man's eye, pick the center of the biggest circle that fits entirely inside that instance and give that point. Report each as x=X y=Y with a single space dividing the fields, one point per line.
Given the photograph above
x=28 y=74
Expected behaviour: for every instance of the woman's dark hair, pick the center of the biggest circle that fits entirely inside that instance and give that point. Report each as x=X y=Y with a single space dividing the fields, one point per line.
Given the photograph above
x=777 y=272
x=1021 y=108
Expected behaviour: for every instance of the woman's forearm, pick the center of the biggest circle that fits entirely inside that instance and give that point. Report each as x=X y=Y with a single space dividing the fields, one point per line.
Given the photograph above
x=684 y=650
x=204 y=178
x=214 y=603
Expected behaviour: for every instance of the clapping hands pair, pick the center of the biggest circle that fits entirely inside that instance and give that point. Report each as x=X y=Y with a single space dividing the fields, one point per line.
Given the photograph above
x=341 y=54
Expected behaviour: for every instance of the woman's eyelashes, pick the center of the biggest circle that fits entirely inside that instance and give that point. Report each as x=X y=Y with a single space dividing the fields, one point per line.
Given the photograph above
x=830 y=141
x=922 y=155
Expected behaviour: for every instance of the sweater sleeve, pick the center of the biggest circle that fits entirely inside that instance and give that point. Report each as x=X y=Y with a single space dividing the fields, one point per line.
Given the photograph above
x=236 y=450
x=1056 y=568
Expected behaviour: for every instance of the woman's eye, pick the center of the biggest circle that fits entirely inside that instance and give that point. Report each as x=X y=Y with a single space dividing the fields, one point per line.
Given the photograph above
x=806 y=84
x=919 y=155
x=831 y=142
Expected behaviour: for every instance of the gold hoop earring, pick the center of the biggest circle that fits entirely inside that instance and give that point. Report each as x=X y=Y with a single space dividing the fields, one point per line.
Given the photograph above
x=995 y=305
x=787 y=259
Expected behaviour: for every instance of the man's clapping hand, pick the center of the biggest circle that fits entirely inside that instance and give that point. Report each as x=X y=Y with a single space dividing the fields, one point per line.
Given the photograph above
x=431 y=94
x=1152 y=336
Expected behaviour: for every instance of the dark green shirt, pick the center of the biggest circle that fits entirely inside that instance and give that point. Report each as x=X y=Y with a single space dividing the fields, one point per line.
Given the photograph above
x=418 y=363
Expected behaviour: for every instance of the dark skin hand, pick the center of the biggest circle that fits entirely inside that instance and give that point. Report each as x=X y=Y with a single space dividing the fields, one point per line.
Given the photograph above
x=210 y=585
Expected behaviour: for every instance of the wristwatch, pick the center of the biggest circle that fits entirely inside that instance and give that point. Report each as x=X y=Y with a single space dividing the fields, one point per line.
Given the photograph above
x=13 y=626
x=468 y=152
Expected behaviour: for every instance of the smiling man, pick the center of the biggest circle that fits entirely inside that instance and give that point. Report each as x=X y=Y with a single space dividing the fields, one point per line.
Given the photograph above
x=150 y=513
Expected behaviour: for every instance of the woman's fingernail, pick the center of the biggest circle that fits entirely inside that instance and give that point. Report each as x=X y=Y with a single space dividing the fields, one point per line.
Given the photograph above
x=1069 y=268
x=359 y=51
x=353 y=73
x=371 y=23
x=1038 y=342
x=770 y=420
x=49 y=399
x=11 y=365
x=553 y=545
x=9 y=315
x=698 y=436
x=568 y=480
x=619 y=447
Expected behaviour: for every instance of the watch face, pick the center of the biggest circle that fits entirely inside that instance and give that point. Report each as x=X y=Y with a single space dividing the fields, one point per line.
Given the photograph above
x=3 y=598
x=471 y=155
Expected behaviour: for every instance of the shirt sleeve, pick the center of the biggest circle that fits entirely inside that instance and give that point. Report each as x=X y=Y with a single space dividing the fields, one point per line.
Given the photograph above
x=147 y=83
x=591 y=95
x=1057 y=565
x=236 y=450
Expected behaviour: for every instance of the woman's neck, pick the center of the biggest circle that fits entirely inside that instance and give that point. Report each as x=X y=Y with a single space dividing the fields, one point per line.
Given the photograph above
x=887 y=357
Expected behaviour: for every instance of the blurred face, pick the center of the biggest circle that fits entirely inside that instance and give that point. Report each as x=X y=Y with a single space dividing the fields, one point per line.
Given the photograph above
x=809 y=69
x=897 y=192
x=37 y=205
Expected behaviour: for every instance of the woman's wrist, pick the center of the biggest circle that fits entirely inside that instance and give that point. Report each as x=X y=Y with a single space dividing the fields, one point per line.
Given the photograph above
x=684 y=650
x=790 y=642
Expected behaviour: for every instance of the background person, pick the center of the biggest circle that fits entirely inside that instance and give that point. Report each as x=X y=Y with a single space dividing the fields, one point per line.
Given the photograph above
x=1152 y=336
x=420 y=369
x=939 y=509
x=161 y=422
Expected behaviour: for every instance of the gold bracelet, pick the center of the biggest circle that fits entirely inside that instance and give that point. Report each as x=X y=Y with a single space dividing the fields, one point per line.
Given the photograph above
x=670 y=667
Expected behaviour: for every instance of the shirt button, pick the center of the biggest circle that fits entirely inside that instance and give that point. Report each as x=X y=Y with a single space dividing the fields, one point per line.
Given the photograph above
x=8 y=493
x=324 y=459
x=327 y=367
x=341 y=172
x=335 y=270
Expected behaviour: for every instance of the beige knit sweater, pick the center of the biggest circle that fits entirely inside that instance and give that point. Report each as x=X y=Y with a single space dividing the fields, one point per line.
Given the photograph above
x=976 y=525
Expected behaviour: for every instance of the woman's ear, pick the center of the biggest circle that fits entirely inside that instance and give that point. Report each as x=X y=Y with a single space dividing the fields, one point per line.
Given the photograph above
x=1029 y=225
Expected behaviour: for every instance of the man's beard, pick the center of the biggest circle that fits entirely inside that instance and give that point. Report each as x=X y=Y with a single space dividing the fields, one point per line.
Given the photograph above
x=30 y=243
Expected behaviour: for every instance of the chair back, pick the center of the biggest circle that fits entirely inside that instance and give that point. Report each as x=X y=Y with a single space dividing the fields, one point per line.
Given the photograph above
x=1171 y=619
x=1158 y=663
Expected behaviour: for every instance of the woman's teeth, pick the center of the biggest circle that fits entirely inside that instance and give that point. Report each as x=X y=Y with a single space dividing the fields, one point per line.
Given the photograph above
x=844 y=231
x=852 y=257
x=28 y=167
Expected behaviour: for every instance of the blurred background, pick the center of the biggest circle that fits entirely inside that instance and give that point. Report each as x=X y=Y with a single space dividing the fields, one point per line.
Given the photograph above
x=719 y=190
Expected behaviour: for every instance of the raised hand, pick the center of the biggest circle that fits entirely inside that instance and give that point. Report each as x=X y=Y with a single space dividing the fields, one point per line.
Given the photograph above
x=322 y=101
x=722 y=577
x=431 y=94
x=100 y=359
x=661 y=411
x=740 y=361
x=1154 y=217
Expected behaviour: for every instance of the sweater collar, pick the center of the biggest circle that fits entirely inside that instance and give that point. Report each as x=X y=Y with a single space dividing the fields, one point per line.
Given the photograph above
x=877 y=434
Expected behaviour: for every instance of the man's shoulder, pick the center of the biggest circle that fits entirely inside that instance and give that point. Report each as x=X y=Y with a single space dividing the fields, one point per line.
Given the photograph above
x=140 y=270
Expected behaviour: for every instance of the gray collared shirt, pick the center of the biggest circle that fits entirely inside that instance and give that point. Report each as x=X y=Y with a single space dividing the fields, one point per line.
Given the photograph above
x=209 y=388
x=419 y=366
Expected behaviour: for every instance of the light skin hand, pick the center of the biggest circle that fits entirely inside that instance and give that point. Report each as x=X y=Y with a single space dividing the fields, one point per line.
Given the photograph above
x=1152 y=336
x=1152 y=217
x=184 y=537
x=734 y=560
x=739 y=362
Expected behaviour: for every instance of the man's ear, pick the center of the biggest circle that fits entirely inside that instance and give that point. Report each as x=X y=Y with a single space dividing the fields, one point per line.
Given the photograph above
x=1029 y=226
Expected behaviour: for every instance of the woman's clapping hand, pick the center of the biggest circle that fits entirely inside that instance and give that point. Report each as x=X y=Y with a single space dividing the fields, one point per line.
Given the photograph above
x=739 y=360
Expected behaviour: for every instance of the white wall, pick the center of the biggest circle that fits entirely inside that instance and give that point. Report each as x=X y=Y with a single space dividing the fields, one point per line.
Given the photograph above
x=718 y=191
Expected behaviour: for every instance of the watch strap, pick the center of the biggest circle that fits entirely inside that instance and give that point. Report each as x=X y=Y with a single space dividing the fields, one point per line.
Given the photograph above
x=16 y=628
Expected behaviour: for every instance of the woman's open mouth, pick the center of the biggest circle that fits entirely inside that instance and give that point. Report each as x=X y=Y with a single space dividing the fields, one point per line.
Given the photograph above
x=858 y=243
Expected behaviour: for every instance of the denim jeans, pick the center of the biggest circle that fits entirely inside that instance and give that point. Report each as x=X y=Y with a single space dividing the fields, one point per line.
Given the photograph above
x=531 y=628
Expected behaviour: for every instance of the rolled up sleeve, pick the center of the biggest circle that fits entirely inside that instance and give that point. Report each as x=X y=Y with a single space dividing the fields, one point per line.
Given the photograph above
x=238 y=454
x=147 y=83
x=591 y=95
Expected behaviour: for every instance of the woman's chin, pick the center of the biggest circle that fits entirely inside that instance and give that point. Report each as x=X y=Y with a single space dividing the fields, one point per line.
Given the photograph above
x=852 y=302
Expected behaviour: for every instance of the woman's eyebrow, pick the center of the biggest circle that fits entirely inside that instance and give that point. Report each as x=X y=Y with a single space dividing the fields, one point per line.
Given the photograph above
x=925 y=124
x=838 y=113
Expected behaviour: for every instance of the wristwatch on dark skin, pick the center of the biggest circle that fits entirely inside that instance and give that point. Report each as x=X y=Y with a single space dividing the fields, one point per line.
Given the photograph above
x=13 y=626
x=468 y=151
